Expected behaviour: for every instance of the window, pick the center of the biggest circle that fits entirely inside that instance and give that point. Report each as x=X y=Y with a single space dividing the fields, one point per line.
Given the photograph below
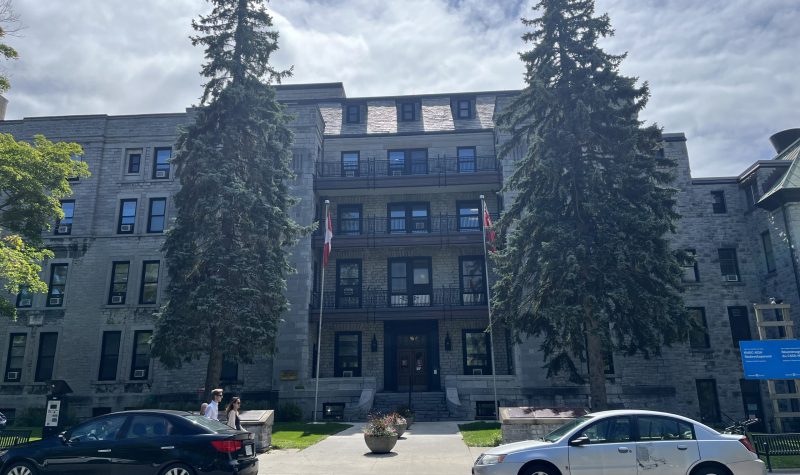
x=127 y=216
x=654 y=428
x=466 y=159
x=133 y=160
x=347 y=354
x=148 y=294
x=708 y=401
x=106 y=428
x=64 y=225
x=408 y=110
x=46 y=356
x=230 y=371
x=698 y=334
x=333 y=411
x=140 y=365
x=350 y=164
x=408 y=162
x=58 y=285
x=484 y=410
x=24 y=297
x=609 y=431
x=728 y=265
x=16 y=355
x=718 y=202
x=769 y=255
x=469 y=213
x=75 y=158
x=109 y=356
x=740 y=324
x=463 y=108
x=348 y=283
x=751 y=192
x=349 y=219
x=690 y=270
x=353 y=114
x=161 y=162
x=119 y=283
x=410 y=282
x=147 y=426
x=473 y=288
x=408 y=218
x=155 y=218
x=476 y=352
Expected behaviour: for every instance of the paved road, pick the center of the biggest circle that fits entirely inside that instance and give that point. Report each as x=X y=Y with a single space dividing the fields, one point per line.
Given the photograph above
x=427 y=448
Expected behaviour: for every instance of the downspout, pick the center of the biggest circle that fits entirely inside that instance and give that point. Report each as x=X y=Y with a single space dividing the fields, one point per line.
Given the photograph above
x=791 y=248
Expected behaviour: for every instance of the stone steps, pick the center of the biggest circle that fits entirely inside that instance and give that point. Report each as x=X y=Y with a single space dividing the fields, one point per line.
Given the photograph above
x=427 y=406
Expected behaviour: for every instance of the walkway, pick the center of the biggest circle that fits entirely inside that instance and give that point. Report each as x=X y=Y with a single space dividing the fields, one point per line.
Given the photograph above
x=427 y=448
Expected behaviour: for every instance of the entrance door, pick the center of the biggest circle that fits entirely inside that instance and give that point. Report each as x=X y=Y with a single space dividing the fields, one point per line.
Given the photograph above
x=412 y=363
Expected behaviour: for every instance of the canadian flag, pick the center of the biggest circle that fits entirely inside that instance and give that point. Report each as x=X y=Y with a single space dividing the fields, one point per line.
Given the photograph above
x=326 y=251
x=487 y=228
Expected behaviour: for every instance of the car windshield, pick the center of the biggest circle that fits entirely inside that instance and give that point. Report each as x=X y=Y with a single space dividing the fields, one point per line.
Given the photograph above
x=561 y=431
x=204 y=421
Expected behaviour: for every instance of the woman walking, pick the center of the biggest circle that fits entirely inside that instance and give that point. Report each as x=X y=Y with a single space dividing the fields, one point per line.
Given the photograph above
x=233 y=413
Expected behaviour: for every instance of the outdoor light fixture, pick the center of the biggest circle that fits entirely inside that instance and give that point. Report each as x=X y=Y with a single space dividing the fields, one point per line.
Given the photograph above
x=448 y=345
x=373 y=346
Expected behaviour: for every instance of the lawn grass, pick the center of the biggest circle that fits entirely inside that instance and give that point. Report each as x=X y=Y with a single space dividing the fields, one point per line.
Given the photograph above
x=783 y=461
x=36 y=432
x=481 y=434
x=299 y=435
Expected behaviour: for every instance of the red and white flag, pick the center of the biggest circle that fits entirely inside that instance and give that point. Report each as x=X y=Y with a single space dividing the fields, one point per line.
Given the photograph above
x=487 y=228
x=328 y=238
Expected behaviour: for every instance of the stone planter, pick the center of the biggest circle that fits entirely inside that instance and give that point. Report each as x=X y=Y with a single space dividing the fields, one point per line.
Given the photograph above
x=400 y=428
x=409 y=420
x=380 y=444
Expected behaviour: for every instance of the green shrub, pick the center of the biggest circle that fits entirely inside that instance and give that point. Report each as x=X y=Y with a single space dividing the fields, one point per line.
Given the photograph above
x=289 y=412
x=31 y=417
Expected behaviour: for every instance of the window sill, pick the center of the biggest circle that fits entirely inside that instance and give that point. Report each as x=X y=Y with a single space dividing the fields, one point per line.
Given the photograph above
x=734 y=284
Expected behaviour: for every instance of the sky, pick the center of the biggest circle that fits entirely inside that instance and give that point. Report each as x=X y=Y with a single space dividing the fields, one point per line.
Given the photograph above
x=720 y=71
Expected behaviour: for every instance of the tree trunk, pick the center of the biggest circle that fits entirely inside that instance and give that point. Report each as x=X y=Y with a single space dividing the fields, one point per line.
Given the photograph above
x=595 y=353
x=213 y=370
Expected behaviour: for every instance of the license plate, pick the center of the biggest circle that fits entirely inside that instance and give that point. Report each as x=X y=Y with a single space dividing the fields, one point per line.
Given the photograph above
x=248 y=450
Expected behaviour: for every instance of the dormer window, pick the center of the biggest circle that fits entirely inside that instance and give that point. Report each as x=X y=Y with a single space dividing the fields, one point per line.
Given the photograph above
x=463 y=107
x=408 y=111
x=353 y=114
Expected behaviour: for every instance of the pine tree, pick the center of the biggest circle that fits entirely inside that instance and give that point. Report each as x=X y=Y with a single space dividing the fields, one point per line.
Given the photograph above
x=227 y=250
x=587 y=266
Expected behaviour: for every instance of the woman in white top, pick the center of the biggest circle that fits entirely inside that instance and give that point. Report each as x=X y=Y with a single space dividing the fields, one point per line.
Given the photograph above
x=233 y=413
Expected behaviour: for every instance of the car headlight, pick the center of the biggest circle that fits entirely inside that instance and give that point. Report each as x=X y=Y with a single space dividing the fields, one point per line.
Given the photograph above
x=490 y=459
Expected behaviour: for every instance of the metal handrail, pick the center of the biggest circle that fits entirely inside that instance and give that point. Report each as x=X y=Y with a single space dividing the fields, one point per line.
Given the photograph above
x=371 y=298
x=380 y=225
x=371 y=167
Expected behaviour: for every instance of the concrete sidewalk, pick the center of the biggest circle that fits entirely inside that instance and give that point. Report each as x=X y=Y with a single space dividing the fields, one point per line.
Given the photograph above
x=427 y=448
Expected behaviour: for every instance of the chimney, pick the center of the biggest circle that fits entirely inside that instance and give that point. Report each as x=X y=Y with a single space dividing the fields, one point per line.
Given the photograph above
x=780 y=141
x=3 y=104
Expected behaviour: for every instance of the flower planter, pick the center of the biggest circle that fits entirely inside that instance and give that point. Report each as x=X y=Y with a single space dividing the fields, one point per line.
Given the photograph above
x=409 y=421
x=400 y=428
x=380 y=444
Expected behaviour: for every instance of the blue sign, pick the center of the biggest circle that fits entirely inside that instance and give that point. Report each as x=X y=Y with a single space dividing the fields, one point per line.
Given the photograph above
x=771 y=359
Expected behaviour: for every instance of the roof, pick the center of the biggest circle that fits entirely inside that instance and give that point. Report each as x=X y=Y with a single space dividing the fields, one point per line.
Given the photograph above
x=788 y=187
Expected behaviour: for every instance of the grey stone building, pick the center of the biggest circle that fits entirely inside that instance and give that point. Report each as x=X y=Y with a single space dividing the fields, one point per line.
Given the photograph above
x=404 y=303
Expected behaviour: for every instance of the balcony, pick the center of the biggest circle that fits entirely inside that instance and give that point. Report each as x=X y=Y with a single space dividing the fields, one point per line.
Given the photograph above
x=439 y=171
x=379 y=304
x=375 y=231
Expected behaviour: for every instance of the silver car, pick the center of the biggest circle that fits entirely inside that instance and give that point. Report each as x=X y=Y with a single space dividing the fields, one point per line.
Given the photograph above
x=626 y=442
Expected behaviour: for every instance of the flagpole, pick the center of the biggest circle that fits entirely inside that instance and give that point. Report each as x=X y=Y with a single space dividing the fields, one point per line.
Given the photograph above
x=489 y=305
x=321 y=305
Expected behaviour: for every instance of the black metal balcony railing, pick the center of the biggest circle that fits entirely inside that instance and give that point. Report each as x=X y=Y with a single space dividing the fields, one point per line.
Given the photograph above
x=371 y=167
x=372 y=298
x=378 y=225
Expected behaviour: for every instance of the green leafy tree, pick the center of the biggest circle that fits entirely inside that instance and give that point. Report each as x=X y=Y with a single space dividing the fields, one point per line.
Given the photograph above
x=8 y=20
x=227 y=250
x=587 y=265
x=33 y=178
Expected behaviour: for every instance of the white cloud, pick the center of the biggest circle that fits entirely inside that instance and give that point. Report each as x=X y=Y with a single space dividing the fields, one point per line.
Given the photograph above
x=720 y=70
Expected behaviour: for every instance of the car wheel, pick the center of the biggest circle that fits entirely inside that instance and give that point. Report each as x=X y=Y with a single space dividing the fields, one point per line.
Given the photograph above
x=20 y=468
x=715 y=470
x=178 y=469
x=538 y=470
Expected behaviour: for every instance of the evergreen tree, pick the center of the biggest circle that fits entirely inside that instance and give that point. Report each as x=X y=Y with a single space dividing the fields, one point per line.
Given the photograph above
x=587 y=265
x=227 y=250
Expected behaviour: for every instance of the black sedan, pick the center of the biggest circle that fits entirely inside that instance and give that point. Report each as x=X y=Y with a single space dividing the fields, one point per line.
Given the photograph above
x=137 y=443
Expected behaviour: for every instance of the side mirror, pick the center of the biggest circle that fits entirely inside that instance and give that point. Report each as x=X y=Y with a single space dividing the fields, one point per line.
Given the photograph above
x=63 y=438
x=577 y=442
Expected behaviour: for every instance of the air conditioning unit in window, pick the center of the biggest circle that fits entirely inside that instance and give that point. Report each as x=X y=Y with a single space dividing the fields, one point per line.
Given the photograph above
x=63 y=229
x=116 y=299
x=349 y=173
x=55 y=301
x=477 y=372
x=161 y=174
x=126 y=227
x=347 y=374
x=397 y=172
x=25 y=302
x=139 y=373
x=12 y=376
x=731 y=278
